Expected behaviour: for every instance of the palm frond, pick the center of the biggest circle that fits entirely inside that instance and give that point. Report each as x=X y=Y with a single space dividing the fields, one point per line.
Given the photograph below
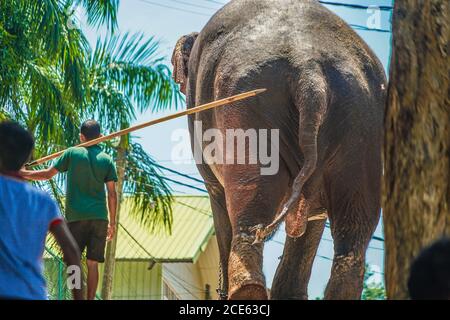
x=101 y=12
x=133 y=65
x=111 y=107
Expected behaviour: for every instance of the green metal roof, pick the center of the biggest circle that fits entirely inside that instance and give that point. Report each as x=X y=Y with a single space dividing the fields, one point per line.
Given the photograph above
x=191 y=230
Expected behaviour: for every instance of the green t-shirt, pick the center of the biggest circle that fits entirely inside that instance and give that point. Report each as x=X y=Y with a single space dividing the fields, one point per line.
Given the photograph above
x=88 y=169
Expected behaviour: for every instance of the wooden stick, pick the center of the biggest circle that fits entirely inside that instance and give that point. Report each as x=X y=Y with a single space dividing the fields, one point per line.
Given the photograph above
x=204 y=107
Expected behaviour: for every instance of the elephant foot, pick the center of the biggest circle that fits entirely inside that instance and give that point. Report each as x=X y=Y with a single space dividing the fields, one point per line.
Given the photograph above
x=245 y=276
x=297 y=220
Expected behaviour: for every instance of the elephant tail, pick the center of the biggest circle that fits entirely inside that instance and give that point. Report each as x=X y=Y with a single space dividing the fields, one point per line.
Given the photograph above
x=311 y=98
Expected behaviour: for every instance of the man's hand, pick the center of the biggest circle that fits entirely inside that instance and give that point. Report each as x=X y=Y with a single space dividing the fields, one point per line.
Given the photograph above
x=111 y=232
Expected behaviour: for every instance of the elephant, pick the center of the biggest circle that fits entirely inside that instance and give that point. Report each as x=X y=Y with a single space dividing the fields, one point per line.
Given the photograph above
x=326 y=92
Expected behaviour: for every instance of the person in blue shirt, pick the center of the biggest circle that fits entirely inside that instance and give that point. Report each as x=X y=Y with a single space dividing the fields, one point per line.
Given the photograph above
x=26 y=216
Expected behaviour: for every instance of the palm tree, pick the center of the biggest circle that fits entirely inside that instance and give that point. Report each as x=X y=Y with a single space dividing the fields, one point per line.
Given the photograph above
x=43 y=70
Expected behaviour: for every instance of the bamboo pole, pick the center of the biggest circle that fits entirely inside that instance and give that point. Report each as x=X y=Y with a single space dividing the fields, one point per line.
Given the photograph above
x=204 y=107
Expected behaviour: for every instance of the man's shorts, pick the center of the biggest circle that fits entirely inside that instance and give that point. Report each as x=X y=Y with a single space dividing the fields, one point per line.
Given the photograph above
x=90 y=234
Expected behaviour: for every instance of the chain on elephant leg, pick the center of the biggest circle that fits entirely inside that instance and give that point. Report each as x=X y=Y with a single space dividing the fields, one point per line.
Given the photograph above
x=245 y=276
x=222 y=290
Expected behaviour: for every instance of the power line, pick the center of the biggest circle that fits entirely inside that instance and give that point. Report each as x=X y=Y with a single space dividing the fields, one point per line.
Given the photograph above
x=206 y=213
x=327 y=224
x=174 y=8
x=172 y=180
x=332 y=3
x=370 y=247
x=193 y=5
x=151 y=257
x=356 y=6
x=330 y=240
x=189 y=174
x=214 y=1
x=179 y=173
x=359 y=27
x=321 y=256
x=185 y=185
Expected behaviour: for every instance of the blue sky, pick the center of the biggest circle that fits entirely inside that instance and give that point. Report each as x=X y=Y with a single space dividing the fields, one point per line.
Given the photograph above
x=168 y=20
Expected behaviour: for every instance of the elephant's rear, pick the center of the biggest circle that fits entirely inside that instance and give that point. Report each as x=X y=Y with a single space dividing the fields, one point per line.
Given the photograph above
x=290 y=47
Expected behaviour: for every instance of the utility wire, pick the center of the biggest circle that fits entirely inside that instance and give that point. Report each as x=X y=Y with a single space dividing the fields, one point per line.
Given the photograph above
x=193 y=5
x=327 y=224
x=359 y=27
x=174 y=8
x=174 y=181
x=356 y=6
x=179 y=173
x=151 y=257
x=171 y=180
x=185 y=185
x=320 y=256
x=332 y=3
x=370 y=247
x=206 y=213
x=214 y=1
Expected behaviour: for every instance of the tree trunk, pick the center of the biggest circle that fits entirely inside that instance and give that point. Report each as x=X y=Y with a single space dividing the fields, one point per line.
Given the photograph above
x=417 y=142
x=110 y=257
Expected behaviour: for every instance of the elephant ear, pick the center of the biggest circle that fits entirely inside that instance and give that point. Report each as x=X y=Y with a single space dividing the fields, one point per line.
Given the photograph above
x=180 y=59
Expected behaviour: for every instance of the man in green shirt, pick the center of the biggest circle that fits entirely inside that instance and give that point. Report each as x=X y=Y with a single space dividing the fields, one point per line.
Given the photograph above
x=88 y=169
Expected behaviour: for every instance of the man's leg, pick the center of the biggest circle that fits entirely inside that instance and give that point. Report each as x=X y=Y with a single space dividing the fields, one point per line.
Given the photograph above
x=79 y=230
x=95 y=254
x=92 y=279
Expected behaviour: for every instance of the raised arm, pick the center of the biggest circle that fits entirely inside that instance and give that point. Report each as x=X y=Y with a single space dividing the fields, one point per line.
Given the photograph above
x=38 y=175
x=70 y=251
x=112 y=207
x=60 y=165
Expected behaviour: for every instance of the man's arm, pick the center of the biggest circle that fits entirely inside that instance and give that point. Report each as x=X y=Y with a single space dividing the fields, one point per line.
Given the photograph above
x=60 y=165
x=71 y=252
x=38 y=175
x=112 y=207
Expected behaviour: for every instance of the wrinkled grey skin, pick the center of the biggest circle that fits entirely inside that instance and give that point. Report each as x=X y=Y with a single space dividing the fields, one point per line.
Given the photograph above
x=326 y=94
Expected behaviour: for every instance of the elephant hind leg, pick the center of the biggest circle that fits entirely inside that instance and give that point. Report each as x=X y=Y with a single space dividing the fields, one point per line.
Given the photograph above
x=354 y=213
x=293 y=272
x=250 y=201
